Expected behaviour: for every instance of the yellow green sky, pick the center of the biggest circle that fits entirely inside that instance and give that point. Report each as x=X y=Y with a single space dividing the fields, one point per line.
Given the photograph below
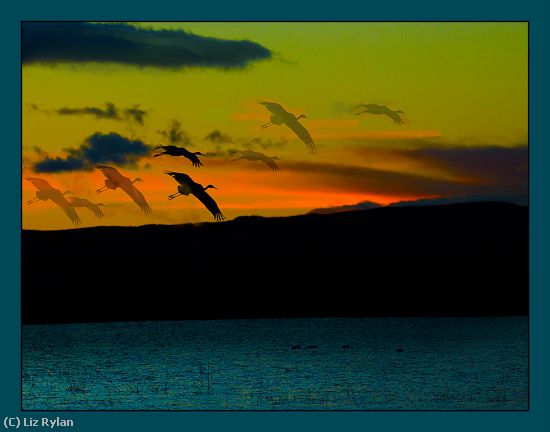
x=462 y=86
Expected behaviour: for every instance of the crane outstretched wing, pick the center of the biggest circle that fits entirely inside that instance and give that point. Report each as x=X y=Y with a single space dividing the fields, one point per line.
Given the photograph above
x=167 y=148
x=395 y=117
x=270 y=163
x=39 y=183
x=83 y=202
x=210 y=204
x=194 y=159
x=302 y=133
x=96 y=210
x=136 y=195
x=181 y=178
x=275 y=108
x=111 y=173
x=66 y=206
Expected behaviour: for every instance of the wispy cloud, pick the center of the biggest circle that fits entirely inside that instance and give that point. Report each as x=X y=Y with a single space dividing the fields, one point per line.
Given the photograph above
x=175 y=134
x=96 y=149
x=218 y=137
x=78 y=42
x=109 y=111
x=478 y=164
x=378 y=181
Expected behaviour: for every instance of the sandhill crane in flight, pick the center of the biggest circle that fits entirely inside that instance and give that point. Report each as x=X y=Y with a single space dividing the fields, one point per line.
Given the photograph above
x=188 y=186
x=48 y=192
x=95 y=208
x=381 y=109
x=117 y=180
x=280 y=116
x=171 y=150
x=257 y=156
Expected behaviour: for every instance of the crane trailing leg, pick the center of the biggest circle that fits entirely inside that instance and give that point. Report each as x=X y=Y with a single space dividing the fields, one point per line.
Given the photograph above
x=29 y=202
x=171 y=197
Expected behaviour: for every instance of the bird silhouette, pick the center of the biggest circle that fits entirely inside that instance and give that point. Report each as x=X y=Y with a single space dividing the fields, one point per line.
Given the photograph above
x=280 y=116
x=95 y=208
x=48 y=192
x=171 y=150
x=257 y=156
x=117 y=180
x=381 y=109
x=188 y=186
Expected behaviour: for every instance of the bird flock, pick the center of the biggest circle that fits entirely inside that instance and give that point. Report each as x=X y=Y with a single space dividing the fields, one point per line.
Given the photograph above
x=186 y=185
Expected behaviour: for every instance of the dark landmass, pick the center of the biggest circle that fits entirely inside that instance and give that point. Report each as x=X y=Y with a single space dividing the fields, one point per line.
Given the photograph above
x=459 y=259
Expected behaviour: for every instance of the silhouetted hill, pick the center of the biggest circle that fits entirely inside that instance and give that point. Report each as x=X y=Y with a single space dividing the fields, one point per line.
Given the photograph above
x=459 y=259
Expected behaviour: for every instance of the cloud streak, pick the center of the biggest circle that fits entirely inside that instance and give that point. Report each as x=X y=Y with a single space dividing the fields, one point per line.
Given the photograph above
x=480 y=164
x=98 y=148
x=110 y=112
x=78 y=42
x=367 y=180
x=175 y=134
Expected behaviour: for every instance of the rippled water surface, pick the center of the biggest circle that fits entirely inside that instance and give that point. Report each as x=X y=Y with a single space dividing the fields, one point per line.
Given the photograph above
x=341 y=363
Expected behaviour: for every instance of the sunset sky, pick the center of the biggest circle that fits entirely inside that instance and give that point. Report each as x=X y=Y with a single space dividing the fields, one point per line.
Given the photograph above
x=462 y=87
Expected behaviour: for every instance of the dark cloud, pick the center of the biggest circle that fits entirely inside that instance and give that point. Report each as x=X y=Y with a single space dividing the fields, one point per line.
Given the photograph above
x=109 y=112
x=518 y=198
x=484 y=164
x=40 y=152
x=175 y=134
x=136 y=113
x=98 y=148
x=53 y=42
x=266 y=144
x=375 y=181
x=218 y=137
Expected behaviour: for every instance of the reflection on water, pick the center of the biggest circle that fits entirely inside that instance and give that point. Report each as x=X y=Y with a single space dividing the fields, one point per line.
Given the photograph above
x=357 y=364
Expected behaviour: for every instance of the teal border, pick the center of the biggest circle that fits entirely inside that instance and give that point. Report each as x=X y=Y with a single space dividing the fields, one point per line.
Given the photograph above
x=396 y=10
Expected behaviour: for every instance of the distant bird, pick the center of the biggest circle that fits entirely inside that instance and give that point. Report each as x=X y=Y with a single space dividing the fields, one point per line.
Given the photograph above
x=188 y=186
x=117 y=180
x=48 y=192
x=381 y=109
x=280 y=116
x=257 y=156
x=95 y=208
x=171 y=150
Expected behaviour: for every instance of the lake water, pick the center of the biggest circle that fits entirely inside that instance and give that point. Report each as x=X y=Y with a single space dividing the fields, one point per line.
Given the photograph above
x=390 y=364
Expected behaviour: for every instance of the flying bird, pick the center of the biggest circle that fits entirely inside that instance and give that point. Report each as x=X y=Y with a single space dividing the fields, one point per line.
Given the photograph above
x=280 y=116
x=171 y=150
x=188 y=186
x=381 y=109
x=257 y=156
x=117 y=180
x=95 y=208
x=47 y=192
